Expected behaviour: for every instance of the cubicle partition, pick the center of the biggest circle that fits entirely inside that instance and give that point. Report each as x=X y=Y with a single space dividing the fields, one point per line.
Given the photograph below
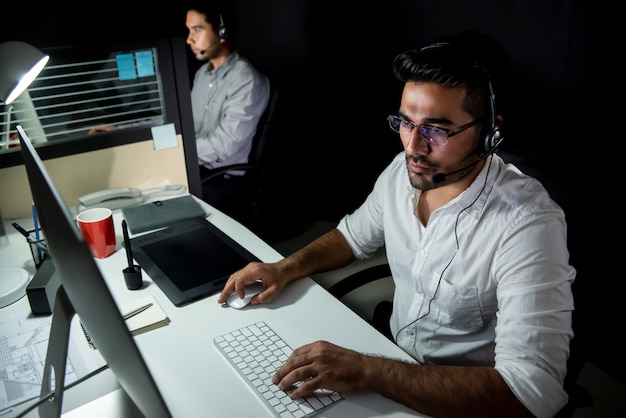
x=140 y=87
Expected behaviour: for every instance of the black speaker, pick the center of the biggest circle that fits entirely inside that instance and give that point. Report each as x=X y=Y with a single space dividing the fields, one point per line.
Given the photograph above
x=222 y=31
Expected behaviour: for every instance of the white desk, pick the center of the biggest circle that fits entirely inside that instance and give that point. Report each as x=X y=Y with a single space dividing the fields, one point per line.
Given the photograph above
x=192 y=376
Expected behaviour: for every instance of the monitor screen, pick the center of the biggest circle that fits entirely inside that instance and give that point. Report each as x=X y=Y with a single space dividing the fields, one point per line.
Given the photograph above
x=83 y=290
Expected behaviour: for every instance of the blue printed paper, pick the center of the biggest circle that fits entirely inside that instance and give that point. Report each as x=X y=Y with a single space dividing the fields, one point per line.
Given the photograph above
x=126 y=66
x=145 y=63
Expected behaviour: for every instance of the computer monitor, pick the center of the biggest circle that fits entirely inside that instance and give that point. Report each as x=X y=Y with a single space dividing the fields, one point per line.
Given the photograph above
x=83 y=291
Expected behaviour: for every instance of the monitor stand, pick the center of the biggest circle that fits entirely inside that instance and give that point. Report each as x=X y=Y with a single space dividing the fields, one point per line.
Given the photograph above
x=56 y=357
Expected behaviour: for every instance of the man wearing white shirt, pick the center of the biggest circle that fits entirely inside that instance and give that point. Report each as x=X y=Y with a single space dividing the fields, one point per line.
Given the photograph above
x=477 y=250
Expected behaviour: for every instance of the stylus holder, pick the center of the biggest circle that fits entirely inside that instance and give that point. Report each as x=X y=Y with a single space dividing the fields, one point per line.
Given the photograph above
x=38 y=249
x=132 y=277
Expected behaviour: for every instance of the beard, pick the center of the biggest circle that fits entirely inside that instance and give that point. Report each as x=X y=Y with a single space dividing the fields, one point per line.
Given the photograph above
x=426 y=182
x=420 y=181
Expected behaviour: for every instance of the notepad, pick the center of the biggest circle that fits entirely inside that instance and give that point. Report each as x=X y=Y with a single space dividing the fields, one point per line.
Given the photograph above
x=154 y=215
x=149 y=319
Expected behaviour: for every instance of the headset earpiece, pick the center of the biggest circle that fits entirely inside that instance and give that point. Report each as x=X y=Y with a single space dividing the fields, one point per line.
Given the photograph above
x=494 y=136
x=493 y=140
x=222 y=31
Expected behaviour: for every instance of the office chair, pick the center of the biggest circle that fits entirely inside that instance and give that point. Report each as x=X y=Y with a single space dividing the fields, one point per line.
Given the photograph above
x=255 y=168
x=346 y=290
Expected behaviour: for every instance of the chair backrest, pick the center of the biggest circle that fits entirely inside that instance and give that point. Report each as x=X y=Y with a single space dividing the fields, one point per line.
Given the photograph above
x=369 y=293
x=264 y=127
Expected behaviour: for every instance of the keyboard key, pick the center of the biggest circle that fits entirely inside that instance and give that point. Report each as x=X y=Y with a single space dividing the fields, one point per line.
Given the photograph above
x=256 y=352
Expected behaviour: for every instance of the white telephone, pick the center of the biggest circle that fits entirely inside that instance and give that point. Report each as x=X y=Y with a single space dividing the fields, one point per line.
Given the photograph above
x=111 y=198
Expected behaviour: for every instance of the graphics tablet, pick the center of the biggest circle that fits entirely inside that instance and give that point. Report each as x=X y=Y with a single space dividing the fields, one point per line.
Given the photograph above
x=189 y=260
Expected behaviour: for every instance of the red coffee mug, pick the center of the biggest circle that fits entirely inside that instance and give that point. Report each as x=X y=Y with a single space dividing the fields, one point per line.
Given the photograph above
x=97 y=227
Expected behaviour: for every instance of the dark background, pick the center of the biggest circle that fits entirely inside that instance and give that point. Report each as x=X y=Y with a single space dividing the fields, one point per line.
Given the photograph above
x=333 y=62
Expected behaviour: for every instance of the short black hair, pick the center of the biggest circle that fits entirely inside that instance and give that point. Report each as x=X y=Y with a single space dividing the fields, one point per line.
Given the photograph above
x=469 y=59
x=217 y=12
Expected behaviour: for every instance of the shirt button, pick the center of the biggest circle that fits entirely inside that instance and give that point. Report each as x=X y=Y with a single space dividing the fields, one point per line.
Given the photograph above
x=210 y=84
x=422 y=252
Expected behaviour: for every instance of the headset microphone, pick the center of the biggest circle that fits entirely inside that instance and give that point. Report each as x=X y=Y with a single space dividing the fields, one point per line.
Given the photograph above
x=491 y=142
x=439 y=177
x=210 y=46
x=497 y=137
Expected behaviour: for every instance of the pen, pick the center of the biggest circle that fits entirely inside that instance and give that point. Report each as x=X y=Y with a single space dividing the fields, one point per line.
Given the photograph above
x=21 y=230
x=136 y=311
x=32 y=240
x=129 y=251
x=126 y=316
x=36 y=223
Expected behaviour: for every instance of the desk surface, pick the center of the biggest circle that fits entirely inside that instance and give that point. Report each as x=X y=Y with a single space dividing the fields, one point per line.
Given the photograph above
x=192 y=375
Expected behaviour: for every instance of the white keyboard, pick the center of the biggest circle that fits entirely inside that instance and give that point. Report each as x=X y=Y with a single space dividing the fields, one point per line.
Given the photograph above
x=256 y=352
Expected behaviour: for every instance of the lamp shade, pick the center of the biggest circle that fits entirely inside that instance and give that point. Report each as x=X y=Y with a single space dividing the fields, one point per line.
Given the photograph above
x=20 y=63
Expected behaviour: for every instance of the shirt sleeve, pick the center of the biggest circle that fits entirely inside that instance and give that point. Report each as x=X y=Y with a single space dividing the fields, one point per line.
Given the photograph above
x=534 y=311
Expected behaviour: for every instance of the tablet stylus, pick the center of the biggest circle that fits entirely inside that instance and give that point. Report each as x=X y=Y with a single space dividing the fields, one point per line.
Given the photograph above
x=132 y=274
x=129 y=251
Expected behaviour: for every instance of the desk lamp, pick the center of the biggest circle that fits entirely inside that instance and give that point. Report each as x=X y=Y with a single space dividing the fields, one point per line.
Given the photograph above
x=20 y=63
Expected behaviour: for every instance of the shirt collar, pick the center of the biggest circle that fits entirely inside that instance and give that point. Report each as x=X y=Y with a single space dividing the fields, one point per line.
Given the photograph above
x=223 y=69
x=473 y=199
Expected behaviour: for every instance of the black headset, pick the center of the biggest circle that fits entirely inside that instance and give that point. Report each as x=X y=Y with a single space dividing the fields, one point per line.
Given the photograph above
x=494 y=136
x=222 y=31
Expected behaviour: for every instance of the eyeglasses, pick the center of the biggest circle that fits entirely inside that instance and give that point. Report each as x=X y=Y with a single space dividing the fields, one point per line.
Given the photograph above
x=434 y=135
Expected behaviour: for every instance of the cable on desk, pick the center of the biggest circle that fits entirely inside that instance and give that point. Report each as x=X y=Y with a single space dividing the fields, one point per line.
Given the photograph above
x=69 y=386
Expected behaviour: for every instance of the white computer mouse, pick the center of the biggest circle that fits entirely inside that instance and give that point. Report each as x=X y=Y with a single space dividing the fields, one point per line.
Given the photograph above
x=252 y=289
